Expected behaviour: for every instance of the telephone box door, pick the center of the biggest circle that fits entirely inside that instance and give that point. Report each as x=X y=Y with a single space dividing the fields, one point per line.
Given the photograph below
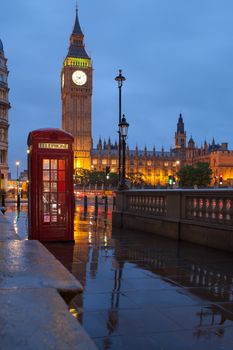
x=53 y=198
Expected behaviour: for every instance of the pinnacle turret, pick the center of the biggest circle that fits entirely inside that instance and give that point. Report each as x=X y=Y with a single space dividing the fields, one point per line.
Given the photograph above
x=180 y=124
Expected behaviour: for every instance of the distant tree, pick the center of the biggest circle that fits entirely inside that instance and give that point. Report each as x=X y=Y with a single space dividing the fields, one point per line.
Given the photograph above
x=136 y=179
x=203 y=174
x=198 y=174
x=113 y=179
x=82 y=177
x=186 y=176
x=99 y=178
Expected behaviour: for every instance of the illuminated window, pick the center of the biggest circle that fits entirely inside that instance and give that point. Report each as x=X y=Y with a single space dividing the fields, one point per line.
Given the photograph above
x=114 y=161
x=104 y=161
x=149 y=163
x=95 y=161
x=166 y=164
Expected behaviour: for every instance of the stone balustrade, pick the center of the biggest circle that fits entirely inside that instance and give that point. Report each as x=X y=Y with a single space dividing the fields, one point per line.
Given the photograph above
x=198 y=216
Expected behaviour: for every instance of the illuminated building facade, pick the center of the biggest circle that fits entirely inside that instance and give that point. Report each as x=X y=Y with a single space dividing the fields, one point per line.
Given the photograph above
x=4 y=125
x=156 y=166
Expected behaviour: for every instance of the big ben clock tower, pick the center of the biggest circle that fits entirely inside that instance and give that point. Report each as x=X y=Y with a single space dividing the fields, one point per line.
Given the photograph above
x=76 y=92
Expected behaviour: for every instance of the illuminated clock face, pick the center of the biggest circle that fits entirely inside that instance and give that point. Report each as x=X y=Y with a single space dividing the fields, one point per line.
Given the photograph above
x=79 y=77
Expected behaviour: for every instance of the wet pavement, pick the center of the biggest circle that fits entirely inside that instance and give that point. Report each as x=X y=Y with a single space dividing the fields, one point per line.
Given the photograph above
x=146 y=292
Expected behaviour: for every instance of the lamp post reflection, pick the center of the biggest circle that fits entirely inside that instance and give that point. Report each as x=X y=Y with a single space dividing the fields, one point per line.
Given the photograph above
x=17 y=163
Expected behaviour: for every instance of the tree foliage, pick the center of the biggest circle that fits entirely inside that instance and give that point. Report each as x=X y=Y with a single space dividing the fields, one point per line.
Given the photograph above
x=84 y=177
x=195 y=175
x=136 y=179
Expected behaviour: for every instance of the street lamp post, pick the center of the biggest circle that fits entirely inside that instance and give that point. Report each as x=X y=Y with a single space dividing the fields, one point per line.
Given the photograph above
x=123 y=131
x=177 y=168
x=17 y=180
x=120 y=78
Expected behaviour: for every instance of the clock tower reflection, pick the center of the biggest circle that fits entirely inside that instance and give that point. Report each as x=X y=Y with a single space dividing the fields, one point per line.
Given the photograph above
x=76 y=93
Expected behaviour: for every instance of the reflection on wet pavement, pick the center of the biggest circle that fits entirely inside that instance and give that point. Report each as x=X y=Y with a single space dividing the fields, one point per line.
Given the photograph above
x=147 y=292
x=18 y=218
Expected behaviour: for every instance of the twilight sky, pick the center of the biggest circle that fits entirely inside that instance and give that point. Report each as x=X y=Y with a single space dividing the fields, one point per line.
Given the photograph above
x=176 y=55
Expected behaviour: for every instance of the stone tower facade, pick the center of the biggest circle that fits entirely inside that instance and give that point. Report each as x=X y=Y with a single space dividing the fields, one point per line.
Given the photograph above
x=180 y=138
x=4 y=125
x=76 y=92
x=180 y=135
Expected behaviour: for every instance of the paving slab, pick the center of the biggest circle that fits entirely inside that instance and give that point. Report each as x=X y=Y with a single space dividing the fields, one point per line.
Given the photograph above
x=39 y=319
x=28 y=264
x=7 y=231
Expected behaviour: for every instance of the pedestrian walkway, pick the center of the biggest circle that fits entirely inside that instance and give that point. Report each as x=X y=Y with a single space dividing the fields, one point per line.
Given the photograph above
x=143 y=291
x=33 y=314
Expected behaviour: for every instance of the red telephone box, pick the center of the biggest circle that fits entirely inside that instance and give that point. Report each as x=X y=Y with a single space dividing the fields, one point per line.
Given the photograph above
x=50 y=191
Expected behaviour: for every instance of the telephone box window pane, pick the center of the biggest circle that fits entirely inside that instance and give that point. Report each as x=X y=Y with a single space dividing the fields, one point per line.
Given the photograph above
x=46 y=218
x=54 y=218
x=61 y=208
x=45 y=198
x=53 y=187
x=53 y=163
x=61 y=164
x=61 y=176
x=61 y=186
x=54 y=207
x=61 y=198
x=53 y=198
x=46 y=187
x=46 y=208
x=45 y=163
x=54 y=175
x=45 y=175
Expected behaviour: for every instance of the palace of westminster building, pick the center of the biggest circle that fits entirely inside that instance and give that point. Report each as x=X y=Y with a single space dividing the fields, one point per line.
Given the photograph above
x=76 y=93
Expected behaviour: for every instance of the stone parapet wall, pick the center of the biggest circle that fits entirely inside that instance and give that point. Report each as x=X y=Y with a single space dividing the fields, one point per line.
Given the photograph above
x=198 y=216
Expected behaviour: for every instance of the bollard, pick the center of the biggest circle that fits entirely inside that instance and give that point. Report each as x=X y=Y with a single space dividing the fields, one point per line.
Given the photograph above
x=3 y=200
x=105 y=204
x=85 y=204
x=96 y=206
x=114 y=203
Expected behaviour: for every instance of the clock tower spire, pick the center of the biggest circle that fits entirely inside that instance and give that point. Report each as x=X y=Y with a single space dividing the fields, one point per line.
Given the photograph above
x=76 y=94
